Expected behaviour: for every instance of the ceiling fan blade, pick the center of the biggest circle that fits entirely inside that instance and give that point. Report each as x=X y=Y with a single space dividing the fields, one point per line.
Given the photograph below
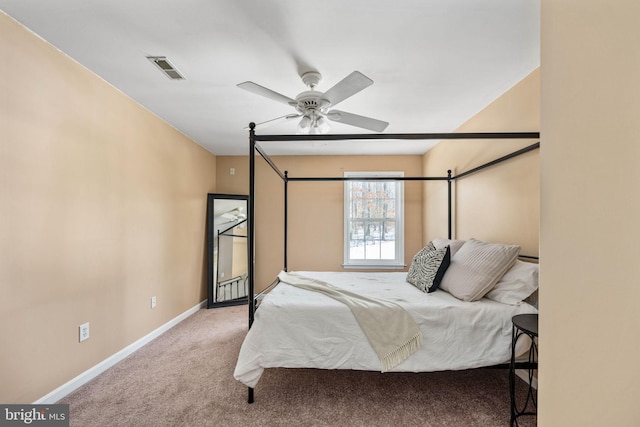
x=347 y=87
x=268 y=93
x=356 y=120
x=287 y=116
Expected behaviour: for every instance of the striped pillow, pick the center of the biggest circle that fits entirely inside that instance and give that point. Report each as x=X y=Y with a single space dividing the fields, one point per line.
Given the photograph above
x=477 y=267
x=428 y=267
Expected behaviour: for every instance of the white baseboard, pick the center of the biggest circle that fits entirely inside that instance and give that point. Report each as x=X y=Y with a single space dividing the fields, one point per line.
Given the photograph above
x=93 y=372
x=524 y=375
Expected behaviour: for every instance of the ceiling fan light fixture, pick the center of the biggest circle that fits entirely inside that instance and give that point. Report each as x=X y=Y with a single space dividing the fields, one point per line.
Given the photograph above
x=313 y=124
x=304 y=125
x=321 y=126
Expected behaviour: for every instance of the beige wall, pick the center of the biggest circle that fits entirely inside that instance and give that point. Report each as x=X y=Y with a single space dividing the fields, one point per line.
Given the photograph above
x=232 y=184
x=315 y=209
x=590 y=157
x=498 y=204
x=102 y=205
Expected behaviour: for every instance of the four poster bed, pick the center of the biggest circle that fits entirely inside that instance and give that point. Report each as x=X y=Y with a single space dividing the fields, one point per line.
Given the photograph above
x=451 y=311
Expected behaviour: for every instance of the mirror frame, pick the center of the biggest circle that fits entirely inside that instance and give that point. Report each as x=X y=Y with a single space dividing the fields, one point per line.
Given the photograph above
x=210 y=242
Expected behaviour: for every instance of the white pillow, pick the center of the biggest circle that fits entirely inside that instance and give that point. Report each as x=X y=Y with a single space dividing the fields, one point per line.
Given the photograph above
x=454 y=245
x=477 y=267
x=517 y=284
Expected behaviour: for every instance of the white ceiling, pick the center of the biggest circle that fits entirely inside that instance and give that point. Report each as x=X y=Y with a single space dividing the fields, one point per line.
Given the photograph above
x=435 y=63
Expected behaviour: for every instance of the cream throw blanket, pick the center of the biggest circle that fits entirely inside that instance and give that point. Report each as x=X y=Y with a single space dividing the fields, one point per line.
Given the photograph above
x=392 y=332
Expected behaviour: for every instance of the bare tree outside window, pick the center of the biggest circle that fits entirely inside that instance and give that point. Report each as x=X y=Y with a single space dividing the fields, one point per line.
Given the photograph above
x=372 y=221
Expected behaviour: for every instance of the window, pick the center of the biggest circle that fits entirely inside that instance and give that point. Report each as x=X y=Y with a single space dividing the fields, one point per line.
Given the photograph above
x=373 y=221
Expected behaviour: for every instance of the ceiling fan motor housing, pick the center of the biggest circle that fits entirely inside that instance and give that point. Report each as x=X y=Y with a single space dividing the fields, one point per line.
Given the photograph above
x=311 y=100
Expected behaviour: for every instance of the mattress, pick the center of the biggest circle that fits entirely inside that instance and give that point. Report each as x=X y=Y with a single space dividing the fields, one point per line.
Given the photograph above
x=297 y=328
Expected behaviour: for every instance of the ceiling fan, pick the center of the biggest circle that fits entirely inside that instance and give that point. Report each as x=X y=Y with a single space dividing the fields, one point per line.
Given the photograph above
x=314 y=107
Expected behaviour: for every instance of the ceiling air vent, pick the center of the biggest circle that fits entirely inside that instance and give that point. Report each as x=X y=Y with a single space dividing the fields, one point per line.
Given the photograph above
x=166 y=67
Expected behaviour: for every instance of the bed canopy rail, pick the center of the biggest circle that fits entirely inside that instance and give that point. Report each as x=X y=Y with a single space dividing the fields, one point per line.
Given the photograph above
x=254 y=148
x=498 y=160
x=408 y=136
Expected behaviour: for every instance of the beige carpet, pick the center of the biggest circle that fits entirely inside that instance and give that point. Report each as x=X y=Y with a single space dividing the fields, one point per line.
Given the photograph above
x=185 y=378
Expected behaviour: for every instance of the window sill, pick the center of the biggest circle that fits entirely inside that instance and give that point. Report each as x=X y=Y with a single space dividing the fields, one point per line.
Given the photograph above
x=373 y=267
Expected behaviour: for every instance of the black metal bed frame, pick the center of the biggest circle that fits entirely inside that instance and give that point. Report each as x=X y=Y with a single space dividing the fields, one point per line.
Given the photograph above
x=255 y=147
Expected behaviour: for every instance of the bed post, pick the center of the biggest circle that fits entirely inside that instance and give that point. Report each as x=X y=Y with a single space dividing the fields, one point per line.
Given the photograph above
x=449 y=203
x=251 y=231
x=251 y=224
x=286 y=204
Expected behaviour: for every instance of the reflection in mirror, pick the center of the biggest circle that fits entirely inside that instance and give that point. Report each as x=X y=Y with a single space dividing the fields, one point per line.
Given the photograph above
x=227 y=268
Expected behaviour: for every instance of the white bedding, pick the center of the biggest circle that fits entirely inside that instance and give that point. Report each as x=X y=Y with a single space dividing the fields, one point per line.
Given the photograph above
x=297 y=328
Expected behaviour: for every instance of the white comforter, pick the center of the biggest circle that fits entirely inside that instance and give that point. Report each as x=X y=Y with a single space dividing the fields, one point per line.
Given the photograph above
x=296 y=328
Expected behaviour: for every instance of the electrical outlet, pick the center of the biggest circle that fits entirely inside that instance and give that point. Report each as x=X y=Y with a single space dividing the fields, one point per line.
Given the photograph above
x=84 y=331
x=153 y=302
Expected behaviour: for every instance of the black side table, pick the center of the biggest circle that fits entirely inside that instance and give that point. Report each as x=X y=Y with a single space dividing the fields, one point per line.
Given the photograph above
x=523 y=324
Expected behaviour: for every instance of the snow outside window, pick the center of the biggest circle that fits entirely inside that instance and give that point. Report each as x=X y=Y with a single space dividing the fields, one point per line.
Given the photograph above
x=374 y=221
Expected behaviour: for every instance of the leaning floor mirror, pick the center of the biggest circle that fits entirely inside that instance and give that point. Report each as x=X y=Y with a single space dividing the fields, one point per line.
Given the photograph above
x=227 y=250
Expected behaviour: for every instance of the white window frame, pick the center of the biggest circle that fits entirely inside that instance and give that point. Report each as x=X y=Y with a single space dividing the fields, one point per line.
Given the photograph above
x=398 y=262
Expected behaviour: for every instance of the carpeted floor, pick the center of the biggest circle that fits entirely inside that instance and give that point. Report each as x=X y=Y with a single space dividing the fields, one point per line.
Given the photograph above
x=185 y=378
